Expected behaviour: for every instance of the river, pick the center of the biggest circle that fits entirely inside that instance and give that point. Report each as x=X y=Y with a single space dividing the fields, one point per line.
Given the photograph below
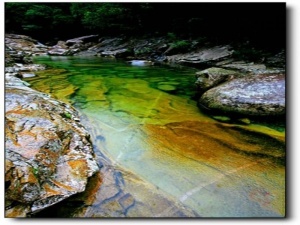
x=144 y=119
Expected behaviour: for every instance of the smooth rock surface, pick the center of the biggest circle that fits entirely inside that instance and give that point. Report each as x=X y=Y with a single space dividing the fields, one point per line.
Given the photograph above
x=257 y=95
x=119 y=53
x=212 y=77
x=202 y=57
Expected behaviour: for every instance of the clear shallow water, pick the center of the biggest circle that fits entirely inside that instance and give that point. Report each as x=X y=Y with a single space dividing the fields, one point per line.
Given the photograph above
x=143 y=118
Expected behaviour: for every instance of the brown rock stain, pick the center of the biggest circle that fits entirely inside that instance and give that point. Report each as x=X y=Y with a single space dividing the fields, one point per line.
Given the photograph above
x=79 y=167
x=253 y=158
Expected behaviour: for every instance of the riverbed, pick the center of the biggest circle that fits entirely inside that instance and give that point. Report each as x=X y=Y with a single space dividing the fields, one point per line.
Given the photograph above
x=144 y=119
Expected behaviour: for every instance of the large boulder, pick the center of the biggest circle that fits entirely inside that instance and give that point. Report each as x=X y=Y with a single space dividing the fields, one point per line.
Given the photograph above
x=212 y=77
x=81 y=40
x=73 y=46
x=21 y=45
x=48 y=155
x=204 y=57
x=256 y=95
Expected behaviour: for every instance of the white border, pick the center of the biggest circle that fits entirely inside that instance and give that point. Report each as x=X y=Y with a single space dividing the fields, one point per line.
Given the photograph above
x=293 y=146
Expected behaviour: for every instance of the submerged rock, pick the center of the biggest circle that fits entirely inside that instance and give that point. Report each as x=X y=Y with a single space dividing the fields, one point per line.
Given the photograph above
x=48 y=155
x=257 y=95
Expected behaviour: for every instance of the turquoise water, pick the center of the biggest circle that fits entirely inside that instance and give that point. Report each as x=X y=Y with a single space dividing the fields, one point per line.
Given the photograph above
x=145 y=120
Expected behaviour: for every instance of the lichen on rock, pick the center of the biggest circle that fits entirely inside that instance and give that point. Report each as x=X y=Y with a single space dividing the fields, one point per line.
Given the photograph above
x=256 y=95
x=48 y=157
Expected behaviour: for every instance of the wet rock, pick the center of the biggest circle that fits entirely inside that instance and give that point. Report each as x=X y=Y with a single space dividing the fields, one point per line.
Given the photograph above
x=166 y=87
x=226 y=149
x=203 y=57
x=244 y=121
x=212 y=77
x=169 y=86
x=22 y=71
x=224 y=119
x=48 y=157
x=257 y=95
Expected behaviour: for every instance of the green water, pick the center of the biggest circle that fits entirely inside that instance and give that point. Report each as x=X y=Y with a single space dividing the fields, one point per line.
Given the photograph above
x=144 y=119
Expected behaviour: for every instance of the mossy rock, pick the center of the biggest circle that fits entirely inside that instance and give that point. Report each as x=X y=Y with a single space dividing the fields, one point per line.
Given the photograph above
x=166 y=87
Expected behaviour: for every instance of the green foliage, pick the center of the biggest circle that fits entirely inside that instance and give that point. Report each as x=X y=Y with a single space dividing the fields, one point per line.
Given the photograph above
x=177 y=44
x=171 y=36
x=44 y=20
x=181 y=44
x=248 y=54
x=143 y=51
x=105 y=17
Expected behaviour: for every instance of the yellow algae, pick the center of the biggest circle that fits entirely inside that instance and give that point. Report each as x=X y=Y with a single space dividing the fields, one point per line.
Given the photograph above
x=217 y=169
x=217 y=161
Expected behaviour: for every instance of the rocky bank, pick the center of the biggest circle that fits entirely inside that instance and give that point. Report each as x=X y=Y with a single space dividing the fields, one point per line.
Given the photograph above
x=217 y=65
x=48 y=154
x=50 y=165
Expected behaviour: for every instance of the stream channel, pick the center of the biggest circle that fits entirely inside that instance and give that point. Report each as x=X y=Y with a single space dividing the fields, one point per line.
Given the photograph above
x=144 y=120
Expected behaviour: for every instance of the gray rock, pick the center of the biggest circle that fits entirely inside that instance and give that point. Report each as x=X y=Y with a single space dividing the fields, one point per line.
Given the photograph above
x=208 y=56
x=59 y=52
x=212 y=77
x=27 y=75
x=141 y=62
x=119 y=53
x=257 y=95
x=252 y=68
x=84 y=39
x=48 y=155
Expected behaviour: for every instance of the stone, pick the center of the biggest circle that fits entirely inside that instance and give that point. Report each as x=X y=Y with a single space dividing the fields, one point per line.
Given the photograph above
x=48 y=157
x=141 y=62
x=224 y=119
x=119 y=53
x=212 y=77
x=84 y=39
x=203 y=57
x=27 y=75
x=257 y=95
x=166 y=87
x=252 y=68
x=59 y=52
x=244 y=121
x=21 y=46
